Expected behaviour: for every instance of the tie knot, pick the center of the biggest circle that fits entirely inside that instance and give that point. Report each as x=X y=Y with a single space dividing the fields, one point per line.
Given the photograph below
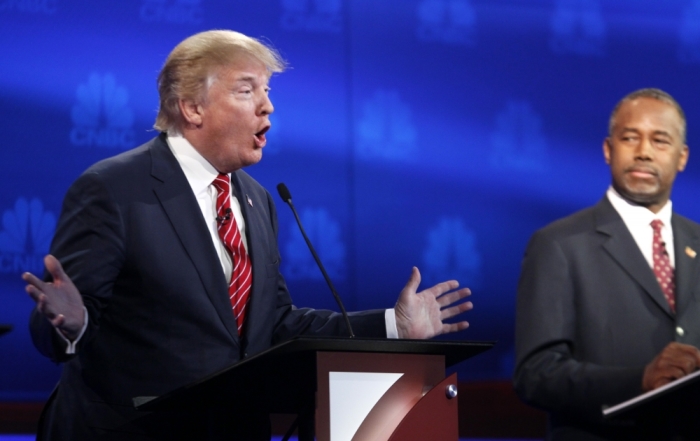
x=222 y=183
x=657 y=224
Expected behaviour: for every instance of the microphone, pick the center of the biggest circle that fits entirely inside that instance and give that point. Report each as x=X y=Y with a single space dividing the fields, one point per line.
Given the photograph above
x=226 y=217
x=287 y=198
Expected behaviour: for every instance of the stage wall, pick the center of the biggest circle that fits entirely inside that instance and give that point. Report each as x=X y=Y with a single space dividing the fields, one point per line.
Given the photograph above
x=434 y=133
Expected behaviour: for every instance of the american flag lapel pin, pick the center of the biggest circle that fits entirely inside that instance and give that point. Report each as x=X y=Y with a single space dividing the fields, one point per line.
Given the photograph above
x=250 y=201
x=690 y=252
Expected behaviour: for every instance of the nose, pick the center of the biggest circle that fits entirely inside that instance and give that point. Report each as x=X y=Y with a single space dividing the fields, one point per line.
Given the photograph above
x=644 y=149
x=266 y=106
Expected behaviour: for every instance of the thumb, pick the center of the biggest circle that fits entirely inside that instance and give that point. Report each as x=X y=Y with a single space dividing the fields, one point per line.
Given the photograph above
x=413 y=282
x=53 y=266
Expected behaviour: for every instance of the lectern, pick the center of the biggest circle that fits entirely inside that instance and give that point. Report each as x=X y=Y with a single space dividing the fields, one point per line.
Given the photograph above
x=350 y=389
x=667 y=413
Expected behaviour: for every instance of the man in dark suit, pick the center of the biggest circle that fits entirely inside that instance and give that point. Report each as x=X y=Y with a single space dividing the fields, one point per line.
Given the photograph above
x=172 y=264
x=608 y=307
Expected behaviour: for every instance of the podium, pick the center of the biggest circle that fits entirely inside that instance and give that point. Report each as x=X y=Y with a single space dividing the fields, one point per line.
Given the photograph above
x=340 y=388
x=667 y=413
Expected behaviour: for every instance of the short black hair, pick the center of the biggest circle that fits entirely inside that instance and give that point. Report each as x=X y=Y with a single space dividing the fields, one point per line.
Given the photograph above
x=656 y=94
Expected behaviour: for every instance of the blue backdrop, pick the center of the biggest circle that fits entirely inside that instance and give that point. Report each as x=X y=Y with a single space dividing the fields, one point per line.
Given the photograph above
x=435 y=133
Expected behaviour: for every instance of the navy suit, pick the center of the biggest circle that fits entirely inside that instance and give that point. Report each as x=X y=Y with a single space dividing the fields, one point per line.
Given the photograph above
x=132 y=238
x=591 y=316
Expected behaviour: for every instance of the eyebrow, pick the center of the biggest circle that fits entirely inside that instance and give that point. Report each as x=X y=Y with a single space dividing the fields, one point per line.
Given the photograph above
x=252 y=79
x=247 y=78
x=655 y=132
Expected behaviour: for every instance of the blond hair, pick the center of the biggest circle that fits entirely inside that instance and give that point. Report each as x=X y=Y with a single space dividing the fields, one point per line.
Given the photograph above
x=191 y=67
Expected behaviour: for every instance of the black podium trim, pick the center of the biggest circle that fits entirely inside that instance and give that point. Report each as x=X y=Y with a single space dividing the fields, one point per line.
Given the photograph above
x=280 y=379
x=675 y=398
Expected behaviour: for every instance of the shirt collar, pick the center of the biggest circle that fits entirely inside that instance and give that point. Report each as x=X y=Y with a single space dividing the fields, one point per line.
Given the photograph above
x=198 y=171
x=636 y=215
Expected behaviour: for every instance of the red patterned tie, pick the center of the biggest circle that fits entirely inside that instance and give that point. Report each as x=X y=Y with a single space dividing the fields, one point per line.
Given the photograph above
x=662 y=266
x=241 y=275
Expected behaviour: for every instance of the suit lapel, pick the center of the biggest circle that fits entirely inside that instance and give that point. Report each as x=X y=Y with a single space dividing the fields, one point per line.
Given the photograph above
x=182 y=209
x=621 y=246
x=687 y=269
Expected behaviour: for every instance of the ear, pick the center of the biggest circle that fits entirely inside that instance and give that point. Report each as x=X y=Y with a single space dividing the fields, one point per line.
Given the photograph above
x=607 y=150
x=683 y=159
x=191 y=112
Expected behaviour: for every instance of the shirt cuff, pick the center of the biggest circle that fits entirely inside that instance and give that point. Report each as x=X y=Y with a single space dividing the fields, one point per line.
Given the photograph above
x=70 y=348
x=390 y=319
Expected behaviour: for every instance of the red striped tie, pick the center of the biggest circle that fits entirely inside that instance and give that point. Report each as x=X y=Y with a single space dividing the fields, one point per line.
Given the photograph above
x=241 y=275
x=662 y=266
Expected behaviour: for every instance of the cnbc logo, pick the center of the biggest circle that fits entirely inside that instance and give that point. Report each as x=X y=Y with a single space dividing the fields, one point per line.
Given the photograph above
x=101 y=117
x=177 y=12
x=25 y=237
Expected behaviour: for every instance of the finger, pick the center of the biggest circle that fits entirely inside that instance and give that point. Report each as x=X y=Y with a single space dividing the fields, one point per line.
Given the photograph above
x=660 y=382
x=58 y=320
x=685 y=363
x=33 y=280
x=452 y=297
x=678 y=358
x=442 y=287
x=691 y=353
x=43 y=307
x=54 y=267
x=454 y=327
x=671 y=373
x=455 y=310
x=36 y=294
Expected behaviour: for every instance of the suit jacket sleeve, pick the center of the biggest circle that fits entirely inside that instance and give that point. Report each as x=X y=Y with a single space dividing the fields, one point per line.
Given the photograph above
x=292 y=321
x=89 y=244
x=548 y=374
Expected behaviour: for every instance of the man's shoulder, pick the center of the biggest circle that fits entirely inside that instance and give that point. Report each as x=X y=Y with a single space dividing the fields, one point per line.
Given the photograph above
x=248 y=183
x=127 y=160
x=580 y=222
x=128 y=172
x=686 y=223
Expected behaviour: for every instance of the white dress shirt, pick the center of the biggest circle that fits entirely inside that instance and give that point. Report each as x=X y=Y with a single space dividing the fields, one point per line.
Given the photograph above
x=200 y=174
x=638 y=221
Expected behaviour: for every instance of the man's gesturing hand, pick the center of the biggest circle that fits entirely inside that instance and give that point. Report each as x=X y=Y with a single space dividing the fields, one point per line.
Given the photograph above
x=59 y=301
x=420 y=315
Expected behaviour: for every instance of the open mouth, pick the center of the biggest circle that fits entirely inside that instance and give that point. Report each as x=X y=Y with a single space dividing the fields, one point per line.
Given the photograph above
x=260 y=139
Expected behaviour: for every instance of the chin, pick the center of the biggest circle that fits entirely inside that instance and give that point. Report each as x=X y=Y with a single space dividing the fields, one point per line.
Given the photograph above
x=642 y=198
x=252 y=160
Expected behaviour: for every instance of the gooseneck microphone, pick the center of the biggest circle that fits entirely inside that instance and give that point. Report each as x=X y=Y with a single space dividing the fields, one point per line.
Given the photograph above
x=287 y=197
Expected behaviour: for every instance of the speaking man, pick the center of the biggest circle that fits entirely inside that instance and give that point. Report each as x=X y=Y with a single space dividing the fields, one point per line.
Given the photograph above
x=172 y=263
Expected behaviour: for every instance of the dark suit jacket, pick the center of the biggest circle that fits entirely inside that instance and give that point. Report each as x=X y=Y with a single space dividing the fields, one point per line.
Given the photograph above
x=132 y=237
x=591 y=315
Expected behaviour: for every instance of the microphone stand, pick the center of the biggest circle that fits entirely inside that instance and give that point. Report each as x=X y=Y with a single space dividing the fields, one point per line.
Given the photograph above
x=287 y=197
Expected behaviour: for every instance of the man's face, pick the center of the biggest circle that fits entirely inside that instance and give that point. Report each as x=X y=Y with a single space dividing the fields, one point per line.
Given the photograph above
x=235 y=116
x=645 y=151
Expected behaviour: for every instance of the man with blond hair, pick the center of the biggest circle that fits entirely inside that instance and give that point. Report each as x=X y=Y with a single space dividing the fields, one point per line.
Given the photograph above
x=165 y=266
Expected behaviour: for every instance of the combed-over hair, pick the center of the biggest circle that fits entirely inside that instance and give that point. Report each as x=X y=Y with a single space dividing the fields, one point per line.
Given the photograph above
x=191 y=68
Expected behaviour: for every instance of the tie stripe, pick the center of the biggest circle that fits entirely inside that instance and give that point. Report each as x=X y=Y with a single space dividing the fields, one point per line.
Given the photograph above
x=241 y=273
